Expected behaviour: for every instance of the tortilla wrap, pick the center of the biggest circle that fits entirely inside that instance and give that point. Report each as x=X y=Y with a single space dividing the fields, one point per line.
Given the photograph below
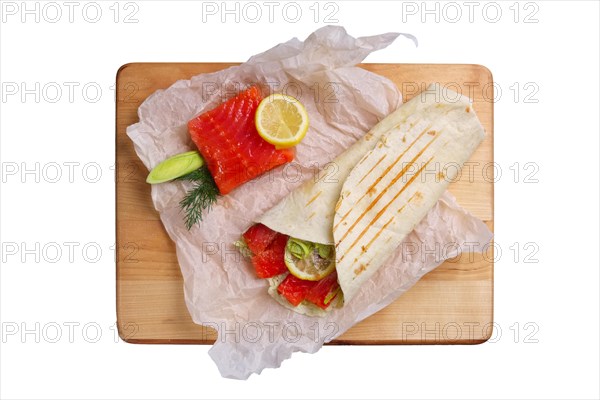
x=382 y=187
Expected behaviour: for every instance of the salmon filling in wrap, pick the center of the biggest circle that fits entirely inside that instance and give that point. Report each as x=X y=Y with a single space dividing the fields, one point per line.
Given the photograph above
x=323 y=241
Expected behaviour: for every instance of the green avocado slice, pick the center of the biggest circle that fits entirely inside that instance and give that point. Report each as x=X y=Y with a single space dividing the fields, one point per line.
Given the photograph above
x=174 y=167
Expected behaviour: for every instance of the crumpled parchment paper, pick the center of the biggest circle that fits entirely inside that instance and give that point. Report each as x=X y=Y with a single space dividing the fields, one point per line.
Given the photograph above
x=343 y=102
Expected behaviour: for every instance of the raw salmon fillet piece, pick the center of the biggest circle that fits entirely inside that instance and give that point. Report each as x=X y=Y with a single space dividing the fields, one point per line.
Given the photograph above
x=271 y=261
x=324 y=288
x=258 y=237
x=232 y=148
x=295 y=289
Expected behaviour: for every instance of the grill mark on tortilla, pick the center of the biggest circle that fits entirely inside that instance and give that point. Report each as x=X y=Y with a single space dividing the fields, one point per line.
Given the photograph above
x=365 y=248
x=360 y=270
x=372 y=168
x=314 y=198
x=386 y=206
x=337 y=205
x=311 y=215
x=418 y=195
x=384 y=172
x=364 y=158
x=396 y=178
x=380 y=213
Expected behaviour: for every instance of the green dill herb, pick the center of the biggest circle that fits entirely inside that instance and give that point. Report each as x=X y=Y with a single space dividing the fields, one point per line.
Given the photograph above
x=200 y=197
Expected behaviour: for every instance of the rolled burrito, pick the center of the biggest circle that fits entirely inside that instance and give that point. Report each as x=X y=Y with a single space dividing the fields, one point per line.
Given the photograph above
x=335 y=232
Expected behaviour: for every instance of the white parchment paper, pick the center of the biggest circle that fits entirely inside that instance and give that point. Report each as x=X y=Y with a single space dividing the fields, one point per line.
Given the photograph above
x=220 y=287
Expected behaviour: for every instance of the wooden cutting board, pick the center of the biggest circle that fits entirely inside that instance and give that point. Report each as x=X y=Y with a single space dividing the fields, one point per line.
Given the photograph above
x=452 y=304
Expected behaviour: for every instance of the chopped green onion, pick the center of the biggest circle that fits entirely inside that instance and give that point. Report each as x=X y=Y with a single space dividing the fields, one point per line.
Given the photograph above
x=324 y=250
x=331 y=295
x=299 y=248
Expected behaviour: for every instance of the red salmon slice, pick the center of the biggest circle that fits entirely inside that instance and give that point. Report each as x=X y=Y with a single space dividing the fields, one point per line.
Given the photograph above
x=270 y=262
x=320 y=292
x=295 y=289
x=258 y=237
x=232 y=148
x=324 y=291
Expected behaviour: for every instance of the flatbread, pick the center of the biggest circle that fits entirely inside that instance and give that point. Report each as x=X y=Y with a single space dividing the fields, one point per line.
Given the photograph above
x=395 y=184
x=382 y=187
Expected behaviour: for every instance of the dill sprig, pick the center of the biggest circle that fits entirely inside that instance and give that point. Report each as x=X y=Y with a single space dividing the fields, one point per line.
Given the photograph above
x=201 y=197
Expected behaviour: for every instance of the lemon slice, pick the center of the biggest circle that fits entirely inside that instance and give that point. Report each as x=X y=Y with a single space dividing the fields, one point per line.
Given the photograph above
x=310 y=268
x=281 y=120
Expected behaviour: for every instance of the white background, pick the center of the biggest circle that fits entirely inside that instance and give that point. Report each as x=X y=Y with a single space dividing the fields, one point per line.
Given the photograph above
x=556 y=356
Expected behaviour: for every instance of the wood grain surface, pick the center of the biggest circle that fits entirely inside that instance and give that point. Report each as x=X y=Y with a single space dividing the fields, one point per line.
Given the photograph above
x=452 y=304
